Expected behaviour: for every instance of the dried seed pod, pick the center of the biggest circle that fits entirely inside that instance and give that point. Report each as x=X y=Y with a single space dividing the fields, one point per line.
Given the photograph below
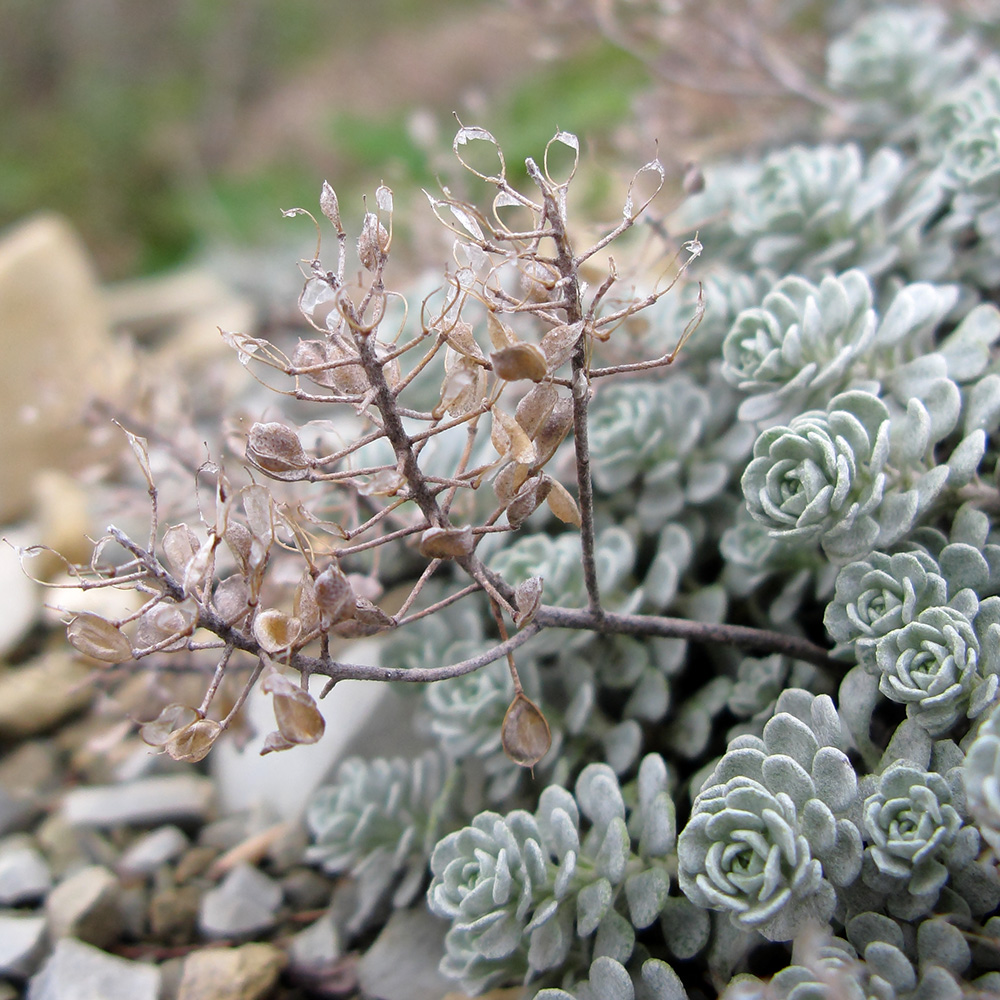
x=447 y=543
x=276 y=448
x=349 y=379
x=369 y=619
x=527 y=599
x=509 y=480
x=334 y=595
x=299 y=719
x=180 y=544
x=164 y=621
x=535 y=406
x=463 y=388
x=509 y=438
x=98 y=638
x=276 y=631
x=460 y=339
x=559 y=343
x=240 y=543
x=259 y=507
x=525 y=733
x=538 y=280
x=157 y=731
x=386 y=483
x=274 y=742
x=553 y=431
x=304 y=605
x=520 y=361
x=529 y=498
x=193 y=742
x=562 y=504
x=329 y=205
x=232 y=598
x=373 y=242
x=501 y=335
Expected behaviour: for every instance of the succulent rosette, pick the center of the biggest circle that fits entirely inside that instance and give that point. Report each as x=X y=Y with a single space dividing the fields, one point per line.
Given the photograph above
x=879 y=594
x=822 y=477
x=764 y=841
x=797 y=347
x=930 y=665
x=981 y=776
x=915 y=835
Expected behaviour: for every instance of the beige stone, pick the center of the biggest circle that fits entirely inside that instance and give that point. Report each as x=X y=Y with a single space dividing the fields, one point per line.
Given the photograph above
x=41 y=693
x=57 y=353
x=245 y=973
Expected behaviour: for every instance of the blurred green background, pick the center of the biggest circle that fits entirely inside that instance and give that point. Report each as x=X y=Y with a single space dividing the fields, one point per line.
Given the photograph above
x=164 y=128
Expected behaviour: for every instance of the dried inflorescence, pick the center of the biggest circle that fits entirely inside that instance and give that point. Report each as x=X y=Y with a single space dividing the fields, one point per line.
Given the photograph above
x=436 y=435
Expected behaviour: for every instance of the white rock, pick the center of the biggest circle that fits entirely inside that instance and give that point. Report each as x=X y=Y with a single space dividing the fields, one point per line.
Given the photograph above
x=151 y=801
x=317 y=947
x=22 y=941
x=78 y=971
x=402 y=964
x=151 y=851
x=245 y=902
x=24 y=875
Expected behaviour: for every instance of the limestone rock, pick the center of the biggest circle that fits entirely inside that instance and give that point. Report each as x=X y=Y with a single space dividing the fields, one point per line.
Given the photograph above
x=245 y=902
x=148 y=802
x=245 y=973
x=22 y=942
x=42 y=693
x=152 y=850
x=57 y=351
x=24 y=875
x=78 y=971
x=86 y=906
x=402 y=964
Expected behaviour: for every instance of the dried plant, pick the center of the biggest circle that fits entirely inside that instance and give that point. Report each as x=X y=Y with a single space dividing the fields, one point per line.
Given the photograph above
x=438 y=440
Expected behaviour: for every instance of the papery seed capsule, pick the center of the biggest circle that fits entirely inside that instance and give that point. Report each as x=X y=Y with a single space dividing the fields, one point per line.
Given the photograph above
x=520 y=361
x=276 y=631
x=525 y=733
x=529 y=498
x=192 y=743
x=447 y=543
x=334 y=596
x=527 y=600
x=98 y=638
x=373 y=241
x=562 y=504
x=276 y=448
x=157 y=731
x=535 y=406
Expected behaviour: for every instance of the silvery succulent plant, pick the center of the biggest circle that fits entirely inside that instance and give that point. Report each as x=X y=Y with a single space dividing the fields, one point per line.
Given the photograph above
x=768 y=836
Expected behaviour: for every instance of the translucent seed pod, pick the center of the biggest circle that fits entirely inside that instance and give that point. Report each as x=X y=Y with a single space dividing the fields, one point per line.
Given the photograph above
x=98 y=638
x=525 y=733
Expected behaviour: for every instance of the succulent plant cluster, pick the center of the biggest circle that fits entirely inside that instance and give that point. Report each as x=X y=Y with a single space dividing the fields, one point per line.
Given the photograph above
x=831 y=435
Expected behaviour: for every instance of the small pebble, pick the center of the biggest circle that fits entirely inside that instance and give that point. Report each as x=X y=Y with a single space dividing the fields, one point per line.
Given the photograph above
x=148 y=802
x=22 y=943
x=245 y=973
x=78 y=971
x=152 y=850
x=245 y=902
x=24 y=874
x=86 y=906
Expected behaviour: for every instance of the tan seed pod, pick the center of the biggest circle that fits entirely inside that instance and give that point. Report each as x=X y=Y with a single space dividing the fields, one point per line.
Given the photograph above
x=276 y=448
x=164 y=621
x=525 y=733
x=299 y=719
x=509 y=480
x=304 y=605
x=350 y=379
x=535 y=406
x=373 y=241
x=562 y=504
x=509 y=438
x=98 y=638
x=559 y=343
x=538 y=281
x=386 y=483
x=192 y=743
x=527 y=599
x=156 y=732
x=329 y=205
x=180 y=544
x=259 y=508
x=276 y=631
x=447 y=543
x=501 y=335
x=231 y=599
x=274 y=742
x=553 y=431
x=335 y=597
x=520 y=361
x=460 y=339
x=463 y=388
x=529 y=498
x=369 y=619
x=240 y=543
